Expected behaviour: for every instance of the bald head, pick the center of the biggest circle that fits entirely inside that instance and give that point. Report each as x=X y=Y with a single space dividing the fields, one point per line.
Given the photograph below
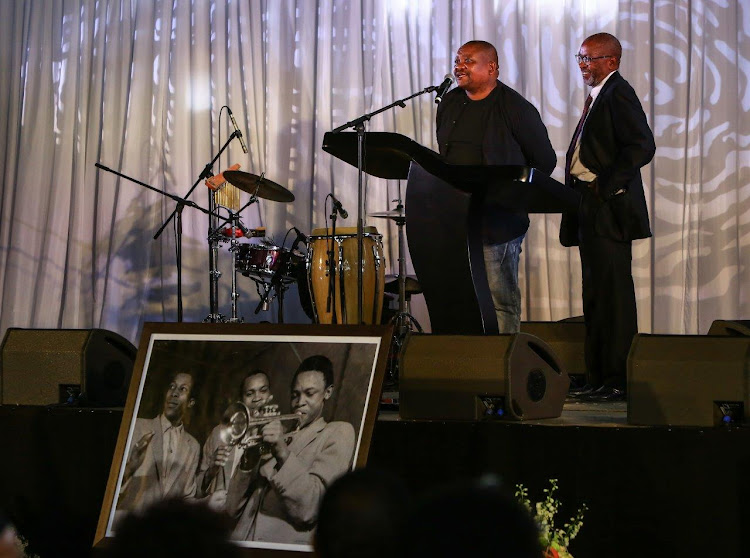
x=607 y=42
x=598 y=57
x=476 y=69
x=488 y=49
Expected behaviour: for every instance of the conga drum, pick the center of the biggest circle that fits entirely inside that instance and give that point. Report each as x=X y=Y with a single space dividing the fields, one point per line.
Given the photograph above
x=344 y=246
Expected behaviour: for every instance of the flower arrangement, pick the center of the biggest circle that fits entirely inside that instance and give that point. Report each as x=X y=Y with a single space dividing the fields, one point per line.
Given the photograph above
x=555 y=540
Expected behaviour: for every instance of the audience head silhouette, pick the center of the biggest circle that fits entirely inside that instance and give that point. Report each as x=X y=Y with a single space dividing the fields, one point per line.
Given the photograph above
x=362 y=514
x=472 y=518
x=173 y=528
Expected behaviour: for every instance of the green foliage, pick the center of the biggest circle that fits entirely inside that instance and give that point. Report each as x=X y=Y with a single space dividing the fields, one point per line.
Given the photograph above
x=554 y=539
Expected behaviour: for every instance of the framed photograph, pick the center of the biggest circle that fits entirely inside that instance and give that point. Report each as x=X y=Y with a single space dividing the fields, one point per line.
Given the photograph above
x=255 y=420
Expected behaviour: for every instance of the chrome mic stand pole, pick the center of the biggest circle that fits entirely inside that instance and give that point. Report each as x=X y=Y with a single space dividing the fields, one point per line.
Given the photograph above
x=213 y=272
x=234 y=244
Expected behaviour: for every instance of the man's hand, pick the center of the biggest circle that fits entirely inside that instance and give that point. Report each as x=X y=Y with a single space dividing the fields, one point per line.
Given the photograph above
x=273 y=435
x=221 y=455
x=217 y=501
x=137 y=454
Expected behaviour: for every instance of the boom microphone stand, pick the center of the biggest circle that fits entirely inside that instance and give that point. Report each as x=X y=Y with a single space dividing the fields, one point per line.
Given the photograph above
x=359 y=125
x=213 y=296
x=181 y=203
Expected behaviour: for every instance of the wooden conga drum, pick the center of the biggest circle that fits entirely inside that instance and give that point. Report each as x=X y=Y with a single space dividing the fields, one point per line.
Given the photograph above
x=344 y=247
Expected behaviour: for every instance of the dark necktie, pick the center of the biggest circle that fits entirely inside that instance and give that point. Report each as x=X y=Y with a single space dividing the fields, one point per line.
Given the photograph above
x=576 y=135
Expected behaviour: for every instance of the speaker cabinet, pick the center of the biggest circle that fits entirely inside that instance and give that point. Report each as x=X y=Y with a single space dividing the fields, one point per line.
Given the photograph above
x=735 y=328
x=480 y=377
x=566 y=338
x=50 y=366
x=687 y=380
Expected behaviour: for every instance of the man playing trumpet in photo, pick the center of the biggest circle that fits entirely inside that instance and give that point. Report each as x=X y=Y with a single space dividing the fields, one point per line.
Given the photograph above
x=285 y=495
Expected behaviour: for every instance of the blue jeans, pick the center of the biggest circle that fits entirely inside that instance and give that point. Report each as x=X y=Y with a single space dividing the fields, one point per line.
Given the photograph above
x=501 y=262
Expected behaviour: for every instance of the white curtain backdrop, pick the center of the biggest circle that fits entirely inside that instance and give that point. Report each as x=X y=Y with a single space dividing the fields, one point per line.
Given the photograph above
x=138 y=85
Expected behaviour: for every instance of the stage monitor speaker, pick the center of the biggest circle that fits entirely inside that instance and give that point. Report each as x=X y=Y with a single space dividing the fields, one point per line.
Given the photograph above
x=465 y=377
x=74 y=366
x=687 y=380
x=735 y=328
x=566 y=338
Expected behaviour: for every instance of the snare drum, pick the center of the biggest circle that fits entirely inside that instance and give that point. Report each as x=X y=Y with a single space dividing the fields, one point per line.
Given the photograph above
x=345 y=279
x=255 y=259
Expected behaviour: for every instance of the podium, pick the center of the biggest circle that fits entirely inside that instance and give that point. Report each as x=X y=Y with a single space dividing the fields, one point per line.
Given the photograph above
x=444 y=208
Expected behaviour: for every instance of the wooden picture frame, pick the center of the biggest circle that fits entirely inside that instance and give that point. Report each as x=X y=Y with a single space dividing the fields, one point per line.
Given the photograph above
x=192 y=376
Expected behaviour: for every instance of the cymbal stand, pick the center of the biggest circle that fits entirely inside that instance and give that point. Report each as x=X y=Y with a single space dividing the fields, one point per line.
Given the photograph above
x=213 y=266
x=233 y=244
x=403 y=320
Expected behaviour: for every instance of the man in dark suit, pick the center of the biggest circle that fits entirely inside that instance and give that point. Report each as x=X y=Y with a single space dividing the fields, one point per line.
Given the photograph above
x=611 y=143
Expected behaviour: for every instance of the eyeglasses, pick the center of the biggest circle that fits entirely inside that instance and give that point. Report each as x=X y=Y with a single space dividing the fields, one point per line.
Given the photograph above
x=588 y=59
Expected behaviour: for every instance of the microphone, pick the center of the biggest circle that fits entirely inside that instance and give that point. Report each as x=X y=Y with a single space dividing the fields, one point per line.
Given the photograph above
x=237 y=130
x=443 y=87
x=337 y=207
x=301 y=237
x=293 y=251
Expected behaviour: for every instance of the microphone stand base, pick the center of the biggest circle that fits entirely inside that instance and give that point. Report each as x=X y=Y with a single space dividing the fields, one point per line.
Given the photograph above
x=215 y=319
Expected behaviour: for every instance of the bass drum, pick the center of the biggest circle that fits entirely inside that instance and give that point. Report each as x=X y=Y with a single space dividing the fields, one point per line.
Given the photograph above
x=344 y=246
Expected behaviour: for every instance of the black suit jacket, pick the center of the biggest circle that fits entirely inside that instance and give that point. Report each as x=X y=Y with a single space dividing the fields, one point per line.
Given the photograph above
x=615 y=143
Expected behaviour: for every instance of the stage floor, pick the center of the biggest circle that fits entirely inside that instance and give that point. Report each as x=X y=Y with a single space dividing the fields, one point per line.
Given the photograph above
x=574 y=413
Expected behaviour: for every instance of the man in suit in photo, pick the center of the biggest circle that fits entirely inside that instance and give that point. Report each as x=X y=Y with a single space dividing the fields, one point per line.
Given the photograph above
x=163 y=457
x=286 y=491
x=610 y=145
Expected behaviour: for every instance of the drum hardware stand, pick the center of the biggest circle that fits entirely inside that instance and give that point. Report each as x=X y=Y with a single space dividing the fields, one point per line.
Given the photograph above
x=403 y=321
x=213 y=266
x=358 y=124
x=277 y=285
x=181 y=203
x=214 y=238
x=233 y=248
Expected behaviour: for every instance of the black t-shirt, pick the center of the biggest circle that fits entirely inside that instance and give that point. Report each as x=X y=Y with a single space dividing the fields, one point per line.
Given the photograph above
x=501 y=129
x=467 y=132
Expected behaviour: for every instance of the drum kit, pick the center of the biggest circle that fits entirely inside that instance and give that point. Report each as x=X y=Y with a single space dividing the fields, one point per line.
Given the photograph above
x=272 y=267
x=325 y=270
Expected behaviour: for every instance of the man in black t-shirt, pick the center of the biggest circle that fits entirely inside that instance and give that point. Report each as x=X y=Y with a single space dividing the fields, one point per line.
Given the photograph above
x=485 y=122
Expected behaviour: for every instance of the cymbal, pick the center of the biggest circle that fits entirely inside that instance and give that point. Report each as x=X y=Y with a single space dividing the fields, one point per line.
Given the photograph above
x=394 y=214
x=261 y=187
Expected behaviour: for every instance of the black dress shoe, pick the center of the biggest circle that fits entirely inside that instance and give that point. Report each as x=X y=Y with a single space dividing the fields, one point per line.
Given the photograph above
x=577 y=392
x=604 y=394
